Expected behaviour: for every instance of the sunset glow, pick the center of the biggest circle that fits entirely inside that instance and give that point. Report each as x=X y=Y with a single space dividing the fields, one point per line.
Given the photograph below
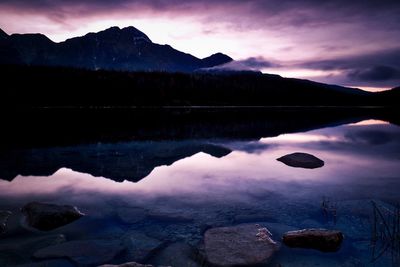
x=354 y=44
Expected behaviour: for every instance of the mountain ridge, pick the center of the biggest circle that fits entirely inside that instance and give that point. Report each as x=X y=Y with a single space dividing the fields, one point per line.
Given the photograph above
x=123 y=49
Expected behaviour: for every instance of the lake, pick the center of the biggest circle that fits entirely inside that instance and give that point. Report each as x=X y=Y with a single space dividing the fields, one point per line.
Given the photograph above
x=217 y=170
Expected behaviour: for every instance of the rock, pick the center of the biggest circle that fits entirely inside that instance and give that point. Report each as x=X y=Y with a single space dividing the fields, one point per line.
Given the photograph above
x=4 y=215
x=170 y=217
x=46 y=217
x=238 y=245
x=320 y=239
x=83 y=252
x=131 y=215
x=301 y=160
x=249 y=218
x=176 y=254
x=140 y=247
x=129 y=264
x=49 y=263
x=28 y=244
x=18 y=250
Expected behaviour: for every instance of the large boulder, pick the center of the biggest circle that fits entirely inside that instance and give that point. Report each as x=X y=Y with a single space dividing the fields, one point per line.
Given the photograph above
x=302 y=160
x=46 y=217
x=4 y=215
x=238 y=245
x=83 y=252
x=320 y=239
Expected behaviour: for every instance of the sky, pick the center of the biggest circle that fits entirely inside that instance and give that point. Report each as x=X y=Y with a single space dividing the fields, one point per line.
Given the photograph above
x=353 y=43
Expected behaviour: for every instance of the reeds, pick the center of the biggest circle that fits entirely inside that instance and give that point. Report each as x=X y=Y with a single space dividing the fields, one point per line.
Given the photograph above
x=385 y=235
x=329 y=209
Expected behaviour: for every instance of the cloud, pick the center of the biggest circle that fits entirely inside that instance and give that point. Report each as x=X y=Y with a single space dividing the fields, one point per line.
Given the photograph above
x=300 y=12
x=385 y=57
x=376 y=73
x=371 y=137
x=248 y=64
x=374 y=68
x=257 y=63
x=356 y=40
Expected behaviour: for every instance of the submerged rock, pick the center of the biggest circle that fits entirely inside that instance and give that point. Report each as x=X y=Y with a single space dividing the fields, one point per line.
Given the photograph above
x=83 y=252
x=172 y=217
x=176 y=254
x=302 y=160
x=320 y=239
x=46 y=217
x=140 y=247
x=250 y=218
x=48 y=263
x=129 y=264
x=18 y=249
x=4 y=215
x=238 y=245
x=131 y=215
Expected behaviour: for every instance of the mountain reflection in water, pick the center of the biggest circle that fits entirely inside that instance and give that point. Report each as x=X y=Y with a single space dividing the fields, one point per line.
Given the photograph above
x=218 y=182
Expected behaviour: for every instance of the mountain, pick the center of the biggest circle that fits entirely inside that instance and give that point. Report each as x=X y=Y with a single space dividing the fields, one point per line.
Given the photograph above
x=8 y=54
x=126 y=49
x=216 y=60
x=3 y=35
x=391 y=96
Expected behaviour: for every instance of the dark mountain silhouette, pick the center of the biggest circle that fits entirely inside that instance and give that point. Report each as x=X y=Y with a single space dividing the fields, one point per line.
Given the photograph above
x=216 y=60
x=126 y=49
x=3 y=35
x=8 y=54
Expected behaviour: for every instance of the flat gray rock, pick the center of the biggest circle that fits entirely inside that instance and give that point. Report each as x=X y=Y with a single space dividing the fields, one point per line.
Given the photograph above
x=83 y=252
x=238 y=245
x=46 y=217
x=139 y=246
x=302 y=160
x=4 y=215
x=320 y=239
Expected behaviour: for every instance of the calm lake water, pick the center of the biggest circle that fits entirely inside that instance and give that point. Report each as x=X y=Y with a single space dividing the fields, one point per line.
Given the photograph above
x=167 y=193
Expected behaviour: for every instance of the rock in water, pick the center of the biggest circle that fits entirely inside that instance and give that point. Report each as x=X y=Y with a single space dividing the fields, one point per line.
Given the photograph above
x=238 y=245
x=320 y=239
x=83 y=252
x=49 y=263
x=4 y=215
x=131 y=215
x=46 y=217
x=176 y=254
x=140 y=247
x=301 y=160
